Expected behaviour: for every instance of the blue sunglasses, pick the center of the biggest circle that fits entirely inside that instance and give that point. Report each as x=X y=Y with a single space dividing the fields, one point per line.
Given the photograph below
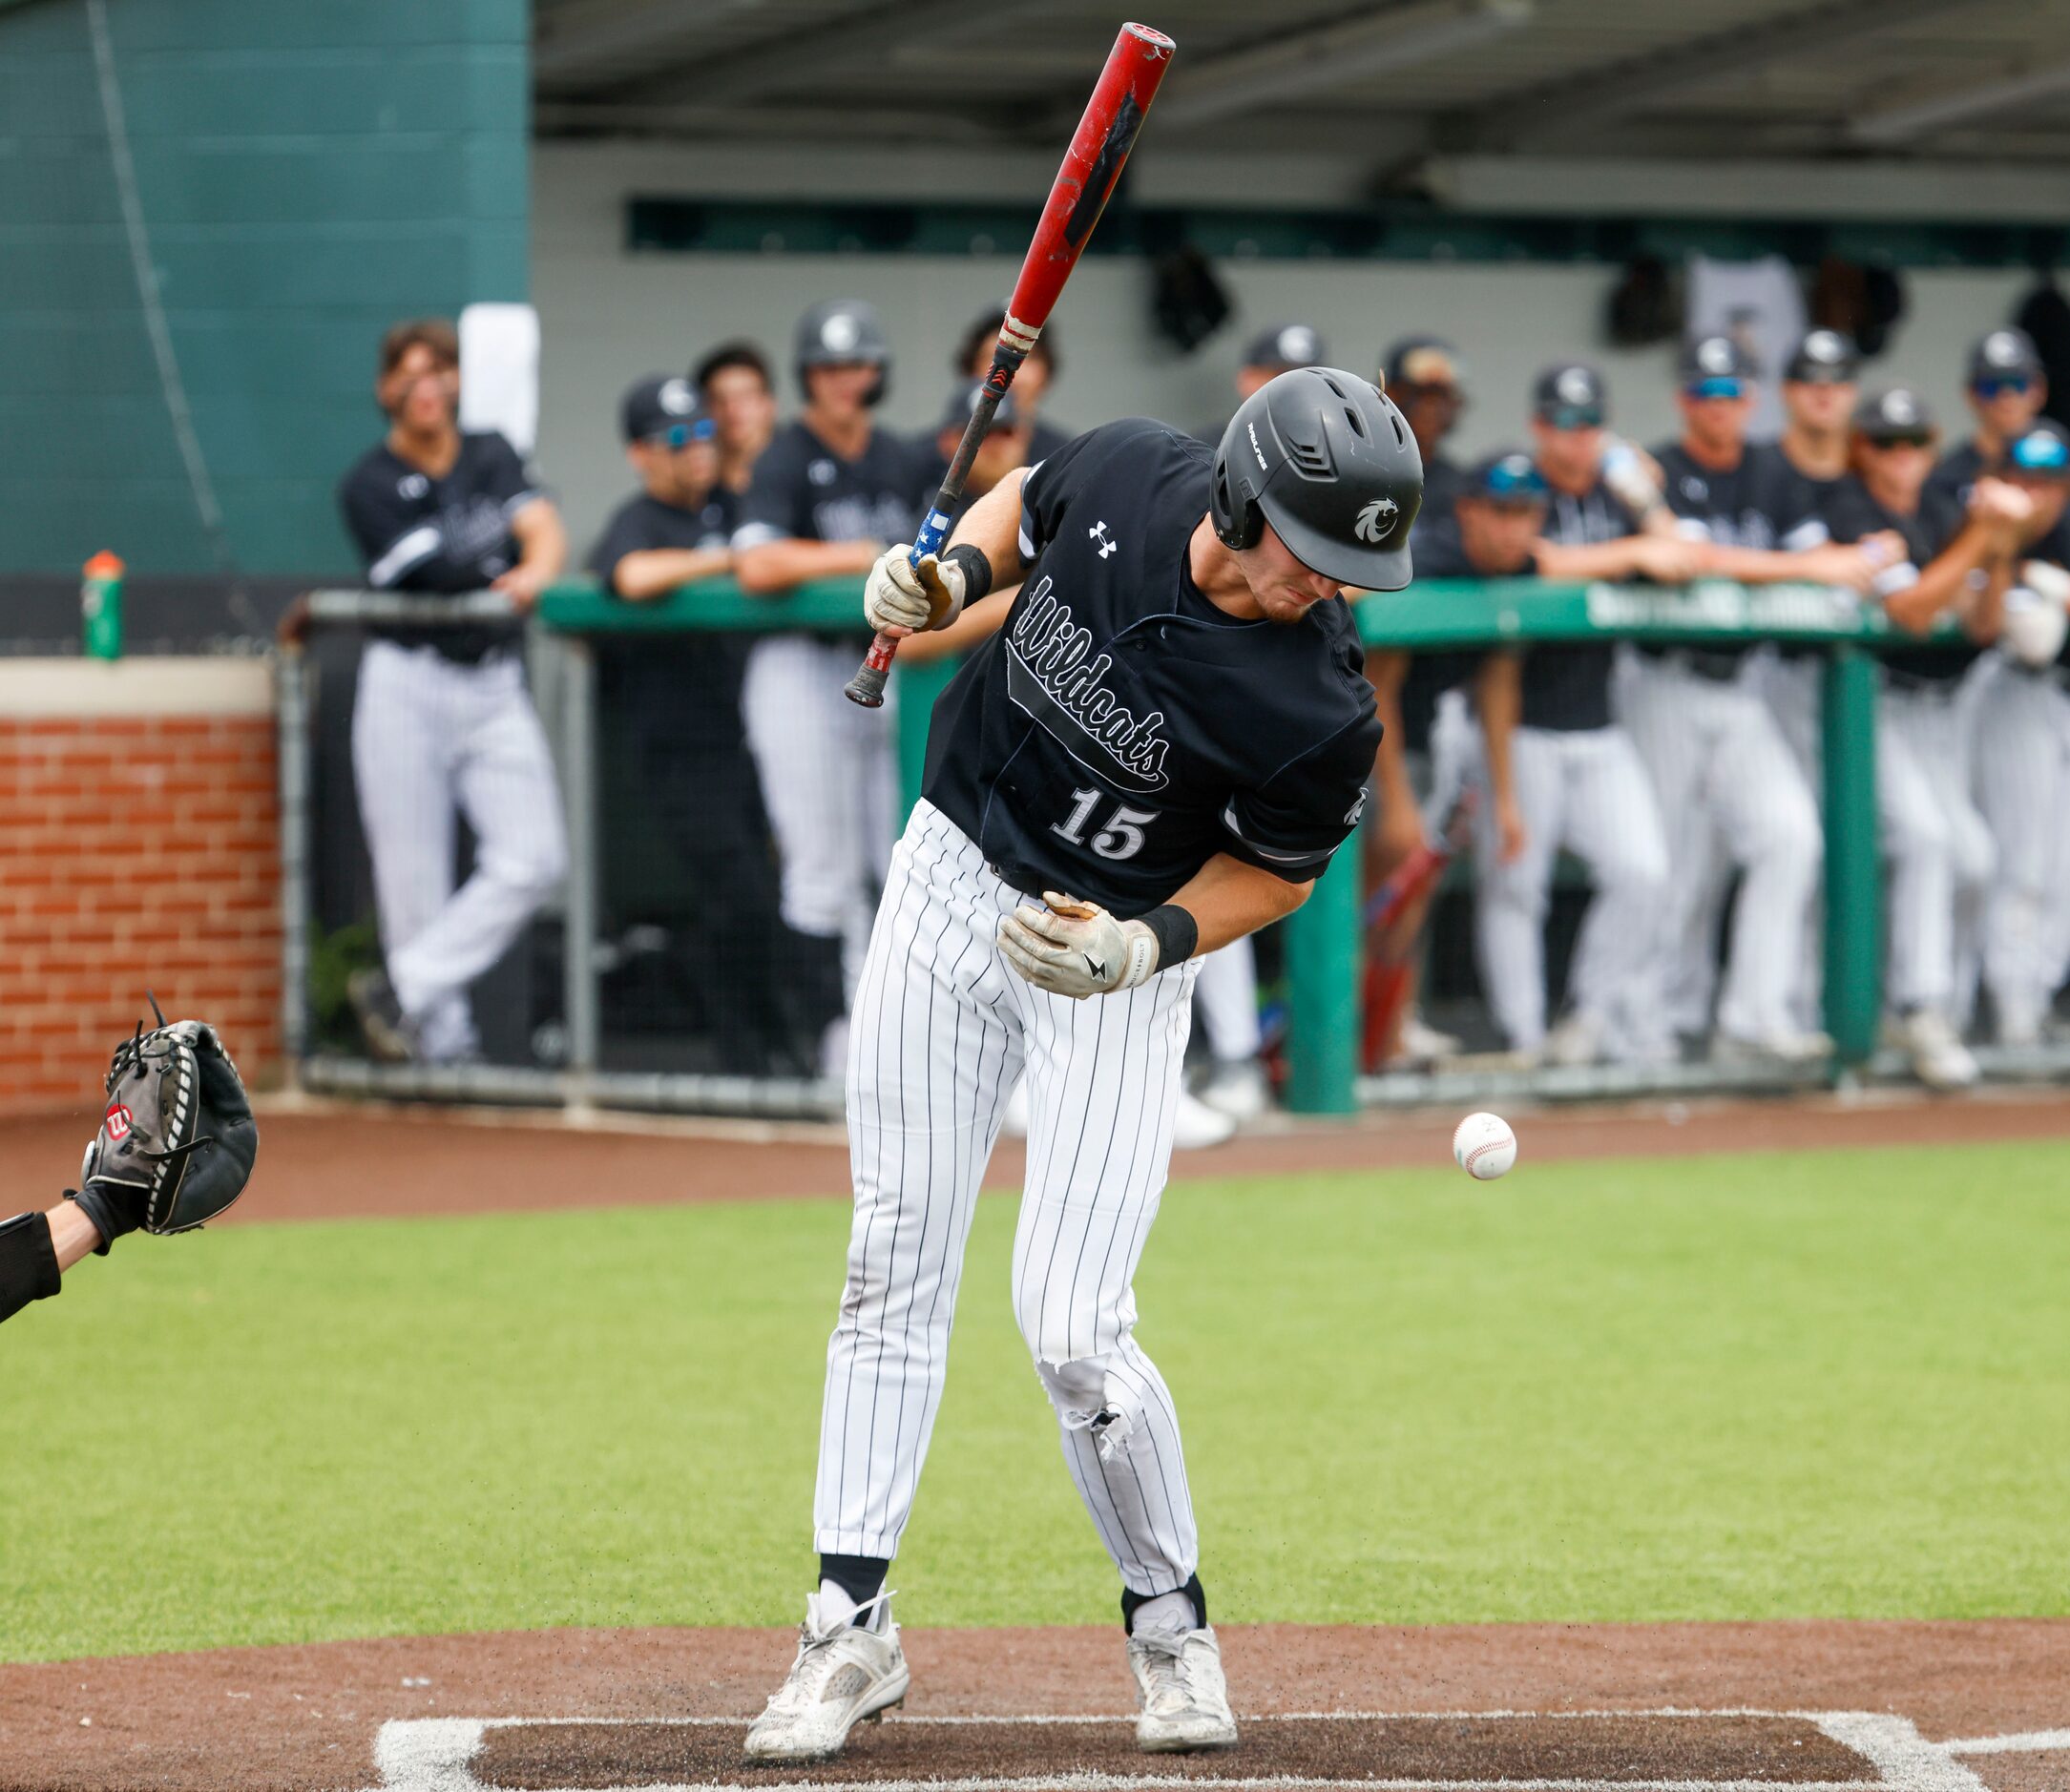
x=1514 y=480
x=1996 y=385
x=1722 y=386
x=680 y=435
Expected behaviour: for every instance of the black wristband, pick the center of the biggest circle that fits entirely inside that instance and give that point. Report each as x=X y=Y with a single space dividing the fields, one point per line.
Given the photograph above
x=977 y=570
x=28 y=1262
x=1175 y=932
x=113 y=1215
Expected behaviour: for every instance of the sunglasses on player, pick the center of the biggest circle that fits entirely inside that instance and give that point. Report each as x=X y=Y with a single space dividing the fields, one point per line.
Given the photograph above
x=680 y=435
x=1921 y=440
x=1724 y=386
x=1999 y=384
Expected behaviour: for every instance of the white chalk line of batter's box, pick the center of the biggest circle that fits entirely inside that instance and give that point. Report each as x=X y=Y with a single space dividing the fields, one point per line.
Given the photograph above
x=436 y=1755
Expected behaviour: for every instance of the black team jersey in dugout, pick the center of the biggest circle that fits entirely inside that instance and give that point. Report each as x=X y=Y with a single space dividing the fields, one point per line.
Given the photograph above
x=1120 y=730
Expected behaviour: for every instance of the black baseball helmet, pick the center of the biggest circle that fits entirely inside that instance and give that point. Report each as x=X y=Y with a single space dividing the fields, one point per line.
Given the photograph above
x=1324 y=458
x=843 y=332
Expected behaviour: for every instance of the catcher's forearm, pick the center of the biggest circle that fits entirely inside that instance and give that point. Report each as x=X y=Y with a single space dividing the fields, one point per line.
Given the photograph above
x=72 y=1235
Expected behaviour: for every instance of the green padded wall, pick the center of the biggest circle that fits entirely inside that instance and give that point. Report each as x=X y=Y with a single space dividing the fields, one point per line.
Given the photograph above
x=309 y=171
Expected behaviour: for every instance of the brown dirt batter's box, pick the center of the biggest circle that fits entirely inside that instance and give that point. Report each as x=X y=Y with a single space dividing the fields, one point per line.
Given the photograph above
x=1647 y=1751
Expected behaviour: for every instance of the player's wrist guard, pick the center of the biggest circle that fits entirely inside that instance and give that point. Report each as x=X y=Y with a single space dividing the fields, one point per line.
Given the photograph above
x=1176 y=931
x=977 y=570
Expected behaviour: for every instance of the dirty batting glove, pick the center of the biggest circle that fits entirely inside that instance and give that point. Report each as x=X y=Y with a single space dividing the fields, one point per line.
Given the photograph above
x=1076 y=949
x=930 y=596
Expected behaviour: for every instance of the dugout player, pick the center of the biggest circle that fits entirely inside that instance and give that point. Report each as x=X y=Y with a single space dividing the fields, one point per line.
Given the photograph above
x=2023 y=758
x=1031 y=384
x=1560 y=773
x=1956 y=563
x=1158 y=753
x=2007 y=388
x=1422 y=374
x=679 y=701
x=442 y=723
x=829 y=494
x=1730 y=789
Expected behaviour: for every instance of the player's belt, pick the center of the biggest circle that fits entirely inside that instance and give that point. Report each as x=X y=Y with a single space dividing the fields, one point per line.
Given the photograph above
x=1721 y=665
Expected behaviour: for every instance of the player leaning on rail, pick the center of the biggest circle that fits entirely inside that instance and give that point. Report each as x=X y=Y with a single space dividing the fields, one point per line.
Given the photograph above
x=1158 y=753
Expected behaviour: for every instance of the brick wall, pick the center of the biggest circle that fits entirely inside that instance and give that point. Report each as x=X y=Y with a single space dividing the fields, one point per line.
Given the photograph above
x=137 y=851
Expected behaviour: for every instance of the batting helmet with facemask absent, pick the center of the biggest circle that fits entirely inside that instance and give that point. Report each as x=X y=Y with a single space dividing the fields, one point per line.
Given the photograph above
x=843 y=333
x=1327 y=459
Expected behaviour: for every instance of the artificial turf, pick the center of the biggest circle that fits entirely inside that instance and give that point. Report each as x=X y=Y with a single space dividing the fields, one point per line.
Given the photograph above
x=1833 y=1383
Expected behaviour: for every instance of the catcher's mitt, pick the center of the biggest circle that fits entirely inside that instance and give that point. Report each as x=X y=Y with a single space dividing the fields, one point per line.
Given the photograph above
x=178 y=1141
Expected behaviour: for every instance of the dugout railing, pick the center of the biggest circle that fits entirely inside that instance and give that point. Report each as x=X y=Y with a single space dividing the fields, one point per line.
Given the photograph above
x=575 y=623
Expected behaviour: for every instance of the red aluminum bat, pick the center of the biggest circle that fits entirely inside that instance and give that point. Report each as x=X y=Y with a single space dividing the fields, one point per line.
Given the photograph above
x=1092 y=165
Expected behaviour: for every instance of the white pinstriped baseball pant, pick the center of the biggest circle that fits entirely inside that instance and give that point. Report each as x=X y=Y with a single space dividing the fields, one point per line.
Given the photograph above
x=2023 y=784
x=942 y=1030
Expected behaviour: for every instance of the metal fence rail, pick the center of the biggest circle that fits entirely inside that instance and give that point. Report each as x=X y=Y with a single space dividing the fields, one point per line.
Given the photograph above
x=1322 y=938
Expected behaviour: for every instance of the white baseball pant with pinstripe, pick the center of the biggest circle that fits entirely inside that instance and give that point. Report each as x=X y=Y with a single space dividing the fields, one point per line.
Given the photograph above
x=1583 y=790
x=1939 y=851
x=830 y=784
x=430 y=736
x=2023 y=785
x=1727 y=781
x=942 y=1030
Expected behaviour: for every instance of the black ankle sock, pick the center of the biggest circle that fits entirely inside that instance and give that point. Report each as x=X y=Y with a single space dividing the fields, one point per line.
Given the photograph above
x=860 y=1576
x=1192 y=1590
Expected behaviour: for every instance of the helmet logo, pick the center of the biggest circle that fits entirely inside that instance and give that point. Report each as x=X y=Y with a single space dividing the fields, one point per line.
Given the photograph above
x=674 y=397
x=1574 y=386
x=1376 y=518
x=1263 y=465
x=840 y=332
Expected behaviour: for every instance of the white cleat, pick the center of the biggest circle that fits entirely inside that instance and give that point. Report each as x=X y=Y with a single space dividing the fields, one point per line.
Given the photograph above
x=1185 y=1700
x=843 y=1675
x=1782 y=1047
x=1238 y=1088
x=1576 y=1041
x=1939 y=1059
x=1422 y=1044
x=1196 y=1126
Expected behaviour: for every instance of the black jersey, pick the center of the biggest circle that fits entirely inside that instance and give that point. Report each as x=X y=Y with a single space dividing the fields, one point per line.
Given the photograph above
x=802 y=490
x=1431 y=673
x=443 y=535
x=1958 y=472
x=1120 y=730
x=645 y=522
x=1852 y=514
x=1566 y=685
x=683 y=688
x=1442 y=483
x=1763 y=502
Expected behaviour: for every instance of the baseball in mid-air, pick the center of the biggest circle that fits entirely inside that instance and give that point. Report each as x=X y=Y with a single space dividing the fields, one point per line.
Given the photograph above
x=1485 y=1146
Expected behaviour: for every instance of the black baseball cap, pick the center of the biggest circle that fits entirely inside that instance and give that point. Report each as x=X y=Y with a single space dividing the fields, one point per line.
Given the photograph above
x=664 y=405
x=1825 y=358
x=2041 y=451
x=1709 y=364
x=963 y=401
x=1422 y=360
x=1508 y=477
x=1287 y=345
x=2005 y=354
x=1571 y=395
x=1893 y=416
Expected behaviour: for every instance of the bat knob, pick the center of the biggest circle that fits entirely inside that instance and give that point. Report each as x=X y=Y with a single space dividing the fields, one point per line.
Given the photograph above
x=866 y=688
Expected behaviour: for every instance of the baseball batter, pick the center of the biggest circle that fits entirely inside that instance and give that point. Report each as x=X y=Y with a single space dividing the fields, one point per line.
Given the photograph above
x=1157 y=754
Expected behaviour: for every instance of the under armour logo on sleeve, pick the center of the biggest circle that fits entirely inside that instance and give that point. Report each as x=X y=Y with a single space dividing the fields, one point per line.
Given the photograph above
x=1098 y=532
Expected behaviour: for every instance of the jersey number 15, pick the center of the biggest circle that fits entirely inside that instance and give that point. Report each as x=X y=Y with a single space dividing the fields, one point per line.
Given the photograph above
x=1121 y=839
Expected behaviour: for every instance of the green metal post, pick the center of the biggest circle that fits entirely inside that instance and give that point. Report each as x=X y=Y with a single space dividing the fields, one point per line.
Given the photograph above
x=1853 y=870
x=1322 y=978
x=914 y=690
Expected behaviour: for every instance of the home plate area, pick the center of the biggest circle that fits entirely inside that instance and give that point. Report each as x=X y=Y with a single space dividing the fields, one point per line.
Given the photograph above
x=1646 y=1751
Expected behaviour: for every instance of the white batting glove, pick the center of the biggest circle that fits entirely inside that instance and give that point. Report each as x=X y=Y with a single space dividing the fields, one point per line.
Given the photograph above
x=901 y=595
x=2036 y=622
x=1076 y=949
